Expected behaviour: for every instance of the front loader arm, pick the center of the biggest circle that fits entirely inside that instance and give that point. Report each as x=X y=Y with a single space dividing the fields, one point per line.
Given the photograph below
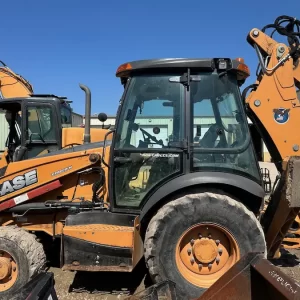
x=12 y=84
x=274 y=105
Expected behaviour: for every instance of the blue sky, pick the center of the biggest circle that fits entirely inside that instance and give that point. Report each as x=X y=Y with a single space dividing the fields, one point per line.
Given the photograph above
x=58 y=44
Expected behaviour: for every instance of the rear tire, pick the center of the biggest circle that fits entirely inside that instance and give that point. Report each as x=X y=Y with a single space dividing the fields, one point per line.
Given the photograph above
x=23 y=257
x=177 y=246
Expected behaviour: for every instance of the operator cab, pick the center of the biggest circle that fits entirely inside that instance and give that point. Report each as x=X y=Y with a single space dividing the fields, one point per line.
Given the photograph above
x=179 y=116
x=34 y=125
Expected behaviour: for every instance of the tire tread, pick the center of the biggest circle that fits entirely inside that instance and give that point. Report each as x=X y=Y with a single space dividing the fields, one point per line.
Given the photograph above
x=159 y=221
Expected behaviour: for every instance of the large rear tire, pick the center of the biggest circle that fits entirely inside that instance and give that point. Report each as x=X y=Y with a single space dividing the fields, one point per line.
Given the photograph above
x=21 y=257
x=195 y=239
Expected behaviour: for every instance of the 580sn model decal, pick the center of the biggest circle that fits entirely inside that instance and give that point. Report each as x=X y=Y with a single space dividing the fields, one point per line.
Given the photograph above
x=18 y=183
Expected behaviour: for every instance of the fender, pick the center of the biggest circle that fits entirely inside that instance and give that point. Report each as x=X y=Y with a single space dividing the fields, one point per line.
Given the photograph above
x=202 y=178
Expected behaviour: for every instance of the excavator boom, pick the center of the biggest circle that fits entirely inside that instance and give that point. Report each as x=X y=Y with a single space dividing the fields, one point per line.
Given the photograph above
x=12 y=84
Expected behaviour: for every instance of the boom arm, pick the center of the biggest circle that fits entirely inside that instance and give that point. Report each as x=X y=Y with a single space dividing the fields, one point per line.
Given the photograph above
x=12 y=84
x=274 y=105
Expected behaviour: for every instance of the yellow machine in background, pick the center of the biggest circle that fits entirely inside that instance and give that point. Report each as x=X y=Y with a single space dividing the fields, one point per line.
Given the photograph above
x=12 y=84
x=41 y=120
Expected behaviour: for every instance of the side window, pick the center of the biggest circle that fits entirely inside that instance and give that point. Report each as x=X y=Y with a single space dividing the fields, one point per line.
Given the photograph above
x=66 y=117
x=204 y=120
x=41 y=123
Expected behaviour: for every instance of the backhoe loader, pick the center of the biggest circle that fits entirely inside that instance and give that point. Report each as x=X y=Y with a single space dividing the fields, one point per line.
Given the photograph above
x=199 y=210
x=46 y=136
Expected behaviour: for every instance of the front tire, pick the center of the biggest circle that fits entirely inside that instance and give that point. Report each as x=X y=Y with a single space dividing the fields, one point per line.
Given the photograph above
x=178 y=245
x=21 y=257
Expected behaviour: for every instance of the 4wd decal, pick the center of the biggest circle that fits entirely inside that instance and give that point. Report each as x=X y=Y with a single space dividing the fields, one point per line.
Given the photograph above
x=18 y=183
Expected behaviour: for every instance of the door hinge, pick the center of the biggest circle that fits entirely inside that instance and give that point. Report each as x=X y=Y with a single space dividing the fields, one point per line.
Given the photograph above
x=183 y=145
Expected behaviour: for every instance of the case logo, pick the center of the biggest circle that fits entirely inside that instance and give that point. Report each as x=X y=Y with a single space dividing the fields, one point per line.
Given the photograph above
x=18 y=183
x=281 y=115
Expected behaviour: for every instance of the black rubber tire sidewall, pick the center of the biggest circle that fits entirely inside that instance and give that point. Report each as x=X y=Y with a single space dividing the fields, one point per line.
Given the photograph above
x=23 y=270
x=249 y=238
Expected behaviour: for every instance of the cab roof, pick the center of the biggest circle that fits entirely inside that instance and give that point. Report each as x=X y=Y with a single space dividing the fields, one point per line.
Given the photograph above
x=36 y=97
x=209 y=64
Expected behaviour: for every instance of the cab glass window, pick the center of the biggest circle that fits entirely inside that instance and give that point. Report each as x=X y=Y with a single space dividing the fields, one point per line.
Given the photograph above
x=66 y=116
x=152 y=113
x=221 y=137
x=41 y=124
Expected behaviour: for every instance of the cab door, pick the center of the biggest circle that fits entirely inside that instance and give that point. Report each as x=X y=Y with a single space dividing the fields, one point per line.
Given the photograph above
x=148 y=145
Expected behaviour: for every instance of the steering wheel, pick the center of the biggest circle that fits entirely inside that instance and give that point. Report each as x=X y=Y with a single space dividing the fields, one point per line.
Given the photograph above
x=152 y=137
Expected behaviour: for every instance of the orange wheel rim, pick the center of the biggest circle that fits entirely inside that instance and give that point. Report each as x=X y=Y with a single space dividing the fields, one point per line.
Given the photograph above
x=205 y=252
x=8 y=271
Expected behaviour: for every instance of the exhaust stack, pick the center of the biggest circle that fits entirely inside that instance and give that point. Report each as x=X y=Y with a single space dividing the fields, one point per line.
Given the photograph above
x=87 y=131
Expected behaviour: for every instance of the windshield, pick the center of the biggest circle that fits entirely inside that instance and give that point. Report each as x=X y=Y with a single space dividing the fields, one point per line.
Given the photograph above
x=152 y=113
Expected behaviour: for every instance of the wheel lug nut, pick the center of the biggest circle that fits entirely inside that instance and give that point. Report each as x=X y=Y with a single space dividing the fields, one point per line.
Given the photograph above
x=218 y=259
x=217 y=242
x=220 y=250
x=192 y=242
x=210 y=266
x=14 y=269
x=192 y=260
x=209 y=236
x=200 y=236
x=189 y=251
x=200 y=266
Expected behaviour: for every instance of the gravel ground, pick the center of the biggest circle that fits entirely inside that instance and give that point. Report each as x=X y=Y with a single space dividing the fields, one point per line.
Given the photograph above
x=66 y=283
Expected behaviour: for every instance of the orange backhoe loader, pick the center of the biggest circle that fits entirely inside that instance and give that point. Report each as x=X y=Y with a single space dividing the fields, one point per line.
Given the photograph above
x=199 y=209
x=46 y=136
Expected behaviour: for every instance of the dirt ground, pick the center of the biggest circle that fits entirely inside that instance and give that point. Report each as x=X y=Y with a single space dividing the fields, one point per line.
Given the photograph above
x=112 y=286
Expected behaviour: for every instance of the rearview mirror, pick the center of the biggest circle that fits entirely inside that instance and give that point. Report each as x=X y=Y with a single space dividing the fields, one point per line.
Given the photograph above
x=102 y=117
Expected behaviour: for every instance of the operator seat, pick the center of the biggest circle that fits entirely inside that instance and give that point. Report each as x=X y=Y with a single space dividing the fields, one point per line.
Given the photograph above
x=210 y=137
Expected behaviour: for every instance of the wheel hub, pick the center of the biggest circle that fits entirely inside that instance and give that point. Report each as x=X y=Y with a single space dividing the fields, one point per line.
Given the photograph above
x=8 y=271
x=205 y=251
x=5 y=268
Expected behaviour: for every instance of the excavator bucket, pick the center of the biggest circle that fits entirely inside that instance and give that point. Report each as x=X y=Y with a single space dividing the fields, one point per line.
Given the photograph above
x=292 y=240
x=252 y=278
